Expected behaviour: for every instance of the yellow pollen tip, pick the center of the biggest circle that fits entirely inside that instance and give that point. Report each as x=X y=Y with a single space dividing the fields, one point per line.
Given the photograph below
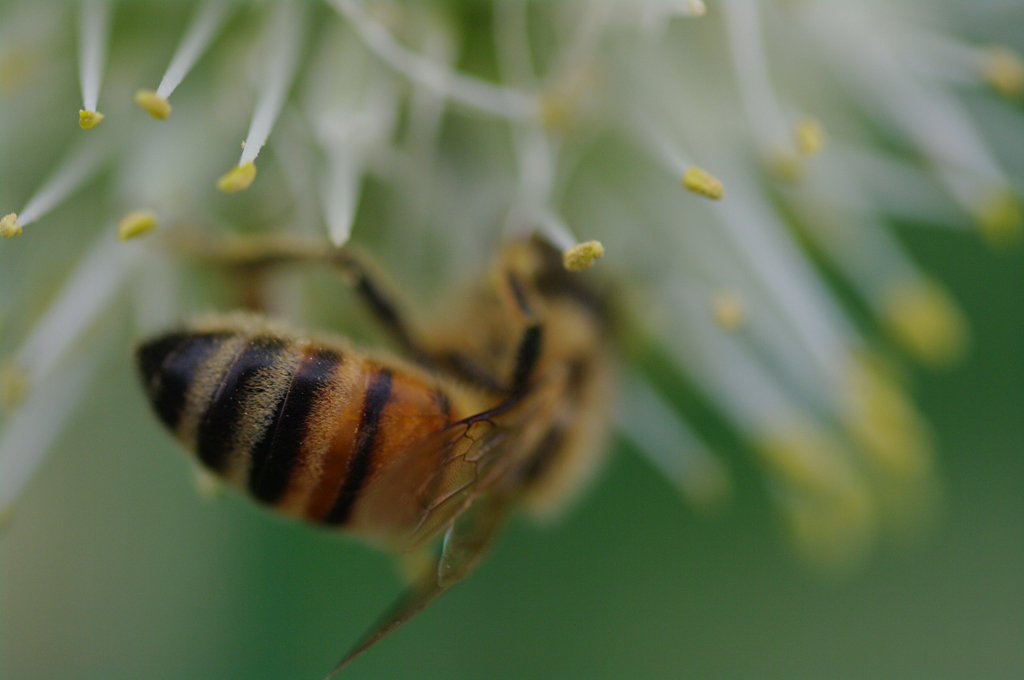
x=9 y=225
x=828 y=504
x=237 y=178
x=13 y=387
x=135 y=224
x=157 y=106
x=923 y=318
x=727 y=310
x=810 y=137
x=582 y=255
x=700 y=182
x=87 y=120
x=1003 y=69
x=1000 y=219
x=881 y=418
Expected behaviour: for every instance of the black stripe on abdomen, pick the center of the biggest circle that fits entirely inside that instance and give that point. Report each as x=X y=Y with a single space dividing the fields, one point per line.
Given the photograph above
x=168 y=366
x=275 y=453
x=217 y=426
x=377 y=396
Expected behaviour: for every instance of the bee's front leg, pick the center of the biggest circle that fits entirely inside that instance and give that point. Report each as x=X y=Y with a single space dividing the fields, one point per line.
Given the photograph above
x=249 y=258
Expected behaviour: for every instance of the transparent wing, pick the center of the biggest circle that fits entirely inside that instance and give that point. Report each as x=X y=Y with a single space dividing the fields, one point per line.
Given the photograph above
x=453 y=483
x=418 y=494
x=465 y=543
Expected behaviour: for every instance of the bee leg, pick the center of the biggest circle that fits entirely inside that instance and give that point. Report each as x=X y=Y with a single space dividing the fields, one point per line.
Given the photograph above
x=367 y=284
x=527 y=355
x=522 y=303
x=246 y=258
x=251 y=256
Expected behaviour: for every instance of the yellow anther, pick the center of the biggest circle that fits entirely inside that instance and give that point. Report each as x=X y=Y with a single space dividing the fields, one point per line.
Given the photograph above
x=13 y=387
x=582 y=255
x=1004 y=70
x=1000 y=219
x=805 y=456
x=727 y=310
x=157 y=106
x=810 y=137
x=882 y=419
x=923 y=317
x=833 y=535
x=9 y=225
x=89 y=119
x=700 y=182
x=135 y=224
x=237 y=178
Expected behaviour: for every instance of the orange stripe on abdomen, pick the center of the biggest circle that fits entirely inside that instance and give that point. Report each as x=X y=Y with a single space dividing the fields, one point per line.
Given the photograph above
x=328 y=443
x=360 y=460
x=366 y=418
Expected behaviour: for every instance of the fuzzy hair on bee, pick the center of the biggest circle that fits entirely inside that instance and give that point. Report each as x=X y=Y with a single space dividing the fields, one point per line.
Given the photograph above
x=501 y=405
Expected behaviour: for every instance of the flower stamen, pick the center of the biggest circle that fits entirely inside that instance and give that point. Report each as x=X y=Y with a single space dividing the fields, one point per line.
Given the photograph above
x=77 y=167
x=135 y=224
x=700 y=181
x=93 y=29
x=285 y=33
x=206 y=23
x=503 y=102
x=582 y=255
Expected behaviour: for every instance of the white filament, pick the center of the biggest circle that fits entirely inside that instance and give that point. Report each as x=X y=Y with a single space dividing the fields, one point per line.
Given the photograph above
x=86 y=294
x=77 y=167
x=669 y=443
x=932 y=120
x=475 y=93
x=31 y=429
x=339 y=192
x=285 y=35
x=93 y=27
x=771 y=253
x=655 y=139
x=762 y=109
x=205 y=24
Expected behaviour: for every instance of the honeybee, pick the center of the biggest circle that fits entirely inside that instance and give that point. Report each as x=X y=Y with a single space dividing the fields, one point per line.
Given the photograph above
x=501 y=405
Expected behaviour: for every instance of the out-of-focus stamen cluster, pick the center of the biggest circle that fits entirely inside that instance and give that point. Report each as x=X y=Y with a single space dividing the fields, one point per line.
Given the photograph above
x=605 y=127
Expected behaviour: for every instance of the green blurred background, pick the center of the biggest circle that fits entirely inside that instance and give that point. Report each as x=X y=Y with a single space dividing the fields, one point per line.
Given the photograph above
x=115 y=569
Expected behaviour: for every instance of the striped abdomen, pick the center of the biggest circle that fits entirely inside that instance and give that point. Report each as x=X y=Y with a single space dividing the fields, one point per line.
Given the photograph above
x=299 y=425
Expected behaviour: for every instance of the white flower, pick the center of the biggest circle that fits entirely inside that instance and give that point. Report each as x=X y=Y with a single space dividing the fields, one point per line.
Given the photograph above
x=801 y=130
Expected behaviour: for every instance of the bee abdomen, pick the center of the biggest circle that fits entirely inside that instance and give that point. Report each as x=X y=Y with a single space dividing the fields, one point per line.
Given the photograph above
x=222 y=393
x=299 y=426
x=275 y=452
x=245 y=398
x=169 y=364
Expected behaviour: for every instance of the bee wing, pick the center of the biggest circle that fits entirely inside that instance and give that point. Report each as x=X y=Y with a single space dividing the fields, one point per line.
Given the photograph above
x=465 y=542
x=431 y=484
x=450 y=480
